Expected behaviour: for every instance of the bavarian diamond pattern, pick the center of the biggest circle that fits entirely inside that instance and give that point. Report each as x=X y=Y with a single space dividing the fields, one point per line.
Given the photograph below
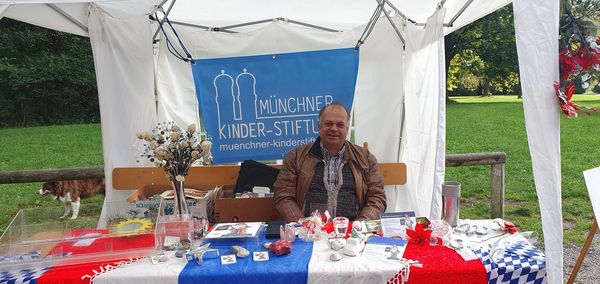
x=26 y=276
x=522 y=263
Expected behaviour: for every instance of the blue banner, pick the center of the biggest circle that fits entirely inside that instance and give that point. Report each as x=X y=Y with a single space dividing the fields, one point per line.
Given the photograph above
x=260 y=107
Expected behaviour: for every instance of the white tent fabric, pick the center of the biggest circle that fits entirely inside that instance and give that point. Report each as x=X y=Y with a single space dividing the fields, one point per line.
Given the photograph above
x=71 y=16
x=335 y=14
x=425 y=115
x=536 y=26
x=124 y=72
x=377 y=88
x=120 y=34
x=42 y=14
x=380 y=89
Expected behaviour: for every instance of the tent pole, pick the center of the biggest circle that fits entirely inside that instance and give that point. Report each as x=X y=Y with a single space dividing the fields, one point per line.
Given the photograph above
x=66 y=15
x=370 y=25
x=387 y=15
x=401 y=127
x=161 y=21
x=399 y=12
x=200 y=26
x=245 y=24
x=312 y=26
x=225 y=28
x=462 y=9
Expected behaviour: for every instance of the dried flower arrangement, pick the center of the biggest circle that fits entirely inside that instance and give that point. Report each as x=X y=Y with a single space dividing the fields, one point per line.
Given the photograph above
x=174 y=150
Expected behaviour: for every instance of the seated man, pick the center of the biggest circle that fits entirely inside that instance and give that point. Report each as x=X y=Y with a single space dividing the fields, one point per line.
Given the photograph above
x=330 y=174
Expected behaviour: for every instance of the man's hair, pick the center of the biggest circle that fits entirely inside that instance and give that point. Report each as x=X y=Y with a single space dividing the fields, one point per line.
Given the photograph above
x=331 y=105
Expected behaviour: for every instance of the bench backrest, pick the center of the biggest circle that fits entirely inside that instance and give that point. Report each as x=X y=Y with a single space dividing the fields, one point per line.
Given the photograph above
x=137 y=177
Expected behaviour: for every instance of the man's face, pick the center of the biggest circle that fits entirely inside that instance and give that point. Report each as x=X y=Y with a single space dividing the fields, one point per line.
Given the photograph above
x=333 y=127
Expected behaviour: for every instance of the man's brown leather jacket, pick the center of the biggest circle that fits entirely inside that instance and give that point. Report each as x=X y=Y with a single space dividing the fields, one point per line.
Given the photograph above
x=297 y=173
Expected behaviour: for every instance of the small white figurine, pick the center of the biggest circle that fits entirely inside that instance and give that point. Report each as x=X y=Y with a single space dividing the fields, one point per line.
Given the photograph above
x=337 y=244
x=353 y=247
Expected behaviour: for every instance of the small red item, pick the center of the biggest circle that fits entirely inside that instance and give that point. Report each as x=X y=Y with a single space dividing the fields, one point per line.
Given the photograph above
x=510 y=227
x=281 y=247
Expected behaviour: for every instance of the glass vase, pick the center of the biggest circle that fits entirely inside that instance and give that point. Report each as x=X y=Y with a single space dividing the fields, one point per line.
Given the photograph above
x=180 y=206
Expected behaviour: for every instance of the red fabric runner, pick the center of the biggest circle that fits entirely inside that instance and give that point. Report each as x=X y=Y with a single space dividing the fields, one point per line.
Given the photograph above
x=441 y=265
x=73 y=273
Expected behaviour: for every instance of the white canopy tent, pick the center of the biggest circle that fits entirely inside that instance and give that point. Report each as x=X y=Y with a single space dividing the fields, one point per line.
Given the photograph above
x=131 y=77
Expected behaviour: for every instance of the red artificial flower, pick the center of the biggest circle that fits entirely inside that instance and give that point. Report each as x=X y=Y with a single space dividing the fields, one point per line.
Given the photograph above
x=564 y=99
x=586 y=58
x=569 y=65
x=418 y=235
x=510 y=227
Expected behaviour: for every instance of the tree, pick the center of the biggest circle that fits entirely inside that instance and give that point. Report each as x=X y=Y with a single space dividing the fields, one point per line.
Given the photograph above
x=486 y=50
x=46 y=77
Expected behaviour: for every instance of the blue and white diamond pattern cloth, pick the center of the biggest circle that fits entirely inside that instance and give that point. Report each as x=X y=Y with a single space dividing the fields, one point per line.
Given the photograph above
x=522 y=263
x=26 y=276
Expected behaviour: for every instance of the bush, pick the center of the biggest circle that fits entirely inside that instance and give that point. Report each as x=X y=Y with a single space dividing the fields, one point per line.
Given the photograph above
x=46 y=77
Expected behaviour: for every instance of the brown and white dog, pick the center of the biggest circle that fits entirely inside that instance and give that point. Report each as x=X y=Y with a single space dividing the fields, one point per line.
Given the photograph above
x=70 y=192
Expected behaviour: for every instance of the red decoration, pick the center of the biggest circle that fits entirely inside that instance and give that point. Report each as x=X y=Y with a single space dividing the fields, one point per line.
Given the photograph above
x=564 y=99
x=281 y=247
x=569 y=65
x=579 y=62
x=328 y=228
x=510 y=227
x=418 y=235
x=568 y=107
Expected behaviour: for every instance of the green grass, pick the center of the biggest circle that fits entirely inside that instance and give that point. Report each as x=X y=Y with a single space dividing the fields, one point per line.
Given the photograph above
x=44 y=148
x=487 y=124
x=474 y=124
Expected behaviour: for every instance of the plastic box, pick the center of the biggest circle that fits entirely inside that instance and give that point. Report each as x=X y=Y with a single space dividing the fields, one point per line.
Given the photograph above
x=38 y=237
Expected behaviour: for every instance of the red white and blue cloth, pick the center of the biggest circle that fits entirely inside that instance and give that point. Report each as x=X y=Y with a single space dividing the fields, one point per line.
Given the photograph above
x=308 y=263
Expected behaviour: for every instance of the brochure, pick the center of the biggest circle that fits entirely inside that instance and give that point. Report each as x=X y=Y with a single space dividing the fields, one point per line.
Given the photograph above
x=235 y=230
x=382 y=248
x=394 y=224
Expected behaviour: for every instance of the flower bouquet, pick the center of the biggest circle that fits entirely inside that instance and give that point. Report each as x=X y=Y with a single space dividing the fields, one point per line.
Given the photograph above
x=174 y=150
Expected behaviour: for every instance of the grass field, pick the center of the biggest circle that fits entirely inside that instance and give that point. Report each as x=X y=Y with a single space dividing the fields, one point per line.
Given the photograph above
x=477 y=124
x=44 y=148
x=473 y=125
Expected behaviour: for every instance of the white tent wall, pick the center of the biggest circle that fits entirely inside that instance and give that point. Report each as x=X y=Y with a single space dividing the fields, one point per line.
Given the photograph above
x=175 y=91
x=424 y=131
x=124 y=65
x=379 y=100
x=128 y=94
x=536 y=28
x=379 y=84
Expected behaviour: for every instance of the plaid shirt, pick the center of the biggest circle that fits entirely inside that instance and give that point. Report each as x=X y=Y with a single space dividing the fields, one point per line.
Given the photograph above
x=333 y=164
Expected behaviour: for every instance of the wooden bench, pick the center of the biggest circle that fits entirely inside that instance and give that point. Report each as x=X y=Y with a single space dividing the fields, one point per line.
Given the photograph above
x=226 y=207
x=137 y=177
